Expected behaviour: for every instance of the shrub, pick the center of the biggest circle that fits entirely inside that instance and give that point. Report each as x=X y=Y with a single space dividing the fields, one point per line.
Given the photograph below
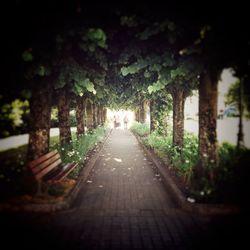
x=140 y=129
x=77 y=150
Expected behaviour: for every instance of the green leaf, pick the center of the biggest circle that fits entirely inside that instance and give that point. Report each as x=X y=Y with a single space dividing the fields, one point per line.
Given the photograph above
x=124 y=71
x=90 y=86
x=41 y=70
x=27 y=55
x=91 y=47
x=155 y=67
x=147 y=74
x=150 y=89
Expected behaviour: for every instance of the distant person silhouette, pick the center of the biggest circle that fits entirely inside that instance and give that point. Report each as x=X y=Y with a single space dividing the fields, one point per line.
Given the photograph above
x=125 y=120
x=117 y=122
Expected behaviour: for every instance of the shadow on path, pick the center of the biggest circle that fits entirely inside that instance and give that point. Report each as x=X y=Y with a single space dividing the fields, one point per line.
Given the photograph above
x=122 y=205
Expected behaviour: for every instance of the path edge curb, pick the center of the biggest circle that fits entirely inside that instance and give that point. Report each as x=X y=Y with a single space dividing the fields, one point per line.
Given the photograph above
x=178 y=196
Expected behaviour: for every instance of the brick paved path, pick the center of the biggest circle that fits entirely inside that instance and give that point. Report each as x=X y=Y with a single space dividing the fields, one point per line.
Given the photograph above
x=123 y=205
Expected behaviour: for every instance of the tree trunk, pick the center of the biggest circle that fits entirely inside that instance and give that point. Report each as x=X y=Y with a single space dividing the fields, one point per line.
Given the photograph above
x=104 y=115
x=153 y=122
x=80 y=116
x=40 y=109
x=142 y=112
x=208 y=148
x=179 y=96
x=63 y=116
x=89 y=111
x=165 y=124
x=94 y=116
x=99 y=113
x=137 y=115
x=240 y=135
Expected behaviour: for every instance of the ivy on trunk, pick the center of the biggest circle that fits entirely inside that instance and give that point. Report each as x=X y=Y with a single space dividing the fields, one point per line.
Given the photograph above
x=153 y=121
x=63 y=115
x=89 y=111
x=80 y=116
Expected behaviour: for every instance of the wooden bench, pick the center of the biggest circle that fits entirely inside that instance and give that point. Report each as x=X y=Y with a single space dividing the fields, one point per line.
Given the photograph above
x=48 y=168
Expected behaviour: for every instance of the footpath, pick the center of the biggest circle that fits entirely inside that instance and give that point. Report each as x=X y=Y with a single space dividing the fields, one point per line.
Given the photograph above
x=123 y=204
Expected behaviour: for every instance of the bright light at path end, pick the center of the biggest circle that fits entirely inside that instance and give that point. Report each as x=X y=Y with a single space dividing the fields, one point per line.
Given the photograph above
x=120 y=114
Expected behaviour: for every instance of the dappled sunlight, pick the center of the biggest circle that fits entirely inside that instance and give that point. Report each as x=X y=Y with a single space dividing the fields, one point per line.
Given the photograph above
x=117 y=159
x=107 y=159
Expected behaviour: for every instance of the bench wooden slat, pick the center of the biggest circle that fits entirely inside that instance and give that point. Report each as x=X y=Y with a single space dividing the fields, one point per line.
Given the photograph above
x=42 y=158
x=48 y=168
x=36 y=169
x=39 y=175
x=64 y=171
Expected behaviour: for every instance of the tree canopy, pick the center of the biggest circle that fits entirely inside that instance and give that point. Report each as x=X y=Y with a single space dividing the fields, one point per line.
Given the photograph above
x=117 y=51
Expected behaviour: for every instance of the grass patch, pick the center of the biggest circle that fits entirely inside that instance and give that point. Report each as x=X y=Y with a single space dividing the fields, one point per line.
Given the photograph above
x=78 y=149
x=13 y=162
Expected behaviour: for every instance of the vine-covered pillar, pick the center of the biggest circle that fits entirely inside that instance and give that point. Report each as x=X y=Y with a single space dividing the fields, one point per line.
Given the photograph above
x=179 y=96
x=89 y=118
x=80 y=116
x=153 y=121
x=208 y=148
x=63 y=103
x=40 y=109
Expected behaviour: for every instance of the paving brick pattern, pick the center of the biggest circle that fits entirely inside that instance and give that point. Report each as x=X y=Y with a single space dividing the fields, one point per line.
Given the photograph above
x=122 y=205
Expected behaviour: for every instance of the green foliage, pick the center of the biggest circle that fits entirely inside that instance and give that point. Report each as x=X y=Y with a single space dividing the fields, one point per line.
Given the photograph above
x=89 y=86
x=27 y=55
x=140 y=129
x=232 y=98
x=129 y=21
x=93 y=38
x=181 y=160
x=37 y=70
x=77 y=150
x=162 y=106
x=232 y=159
x=14 y=117
x=12 y=171
x=72 y=72
x=54 y=118
x=155 y=87
x=41 y=70
x=157 y=28
x=54 y=122
x=231 y=174
x=13 y=162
